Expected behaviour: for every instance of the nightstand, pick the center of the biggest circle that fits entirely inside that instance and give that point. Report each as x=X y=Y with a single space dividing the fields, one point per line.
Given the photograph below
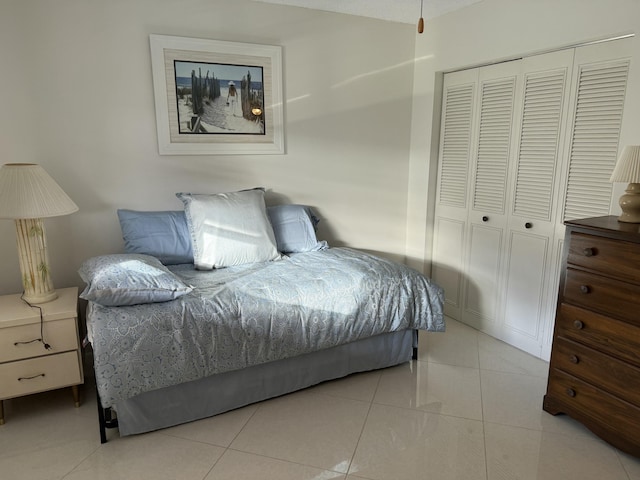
x=26 y=366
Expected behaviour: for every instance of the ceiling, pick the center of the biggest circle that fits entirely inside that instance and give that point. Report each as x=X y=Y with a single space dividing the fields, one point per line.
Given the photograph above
x=403 y=11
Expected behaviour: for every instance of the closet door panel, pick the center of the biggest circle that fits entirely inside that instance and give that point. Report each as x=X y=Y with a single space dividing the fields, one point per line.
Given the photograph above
x=599 y=83
x=545 y=103
x=497 y=93
x=525 y=298
x=457 y=118
x=448 y=261
x=533 y=204
x=452 y=196
x=482 y=277
x=456 y=141
x=498 y=89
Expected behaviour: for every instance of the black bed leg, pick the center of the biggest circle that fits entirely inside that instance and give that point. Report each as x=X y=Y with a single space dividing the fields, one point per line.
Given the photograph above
x=101 y=420
x=415 y=346
x=105 y=419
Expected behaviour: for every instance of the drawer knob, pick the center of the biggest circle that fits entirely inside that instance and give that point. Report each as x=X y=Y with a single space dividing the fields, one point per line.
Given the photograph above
x=585 y=288
x=574 y=359
x=571 y=392
x=578 y=324
x=485 y=219
x=528 y=225
x=589 y=252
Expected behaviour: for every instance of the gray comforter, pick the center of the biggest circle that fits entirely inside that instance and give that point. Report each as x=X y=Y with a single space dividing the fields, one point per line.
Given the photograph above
x=242 y=316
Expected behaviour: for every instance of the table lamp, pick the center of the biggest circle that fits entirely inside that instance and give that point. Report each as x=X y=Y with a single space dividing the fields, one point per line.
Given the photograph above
x=628 y=170
x=27 y=195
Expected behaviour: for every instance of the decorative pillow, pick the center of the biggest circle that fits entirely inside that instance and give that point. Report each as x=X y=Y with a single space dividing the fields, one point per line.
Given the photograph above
x=129 y=279
x=164 y=235
x=294 y=227
x=229 y=228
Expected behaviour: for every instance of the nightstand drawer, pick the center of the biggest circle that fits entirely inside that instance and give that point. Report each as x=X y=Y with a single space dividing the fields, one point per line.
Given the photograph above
x=612 y=336
x=602 y=294
x=60 y=334
x=573 y=396
x=612 y=257
x=39 y=374
x=610 y=374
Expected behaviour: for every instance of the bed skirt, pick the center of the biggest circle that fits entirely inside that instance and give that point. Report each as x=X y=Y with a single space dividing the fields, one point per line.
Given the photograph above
x=220 y=393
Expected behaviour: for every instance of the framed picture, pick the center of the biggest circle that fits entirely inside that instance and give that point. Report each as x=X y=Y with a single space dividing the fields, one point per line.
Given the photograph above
x=217 y=97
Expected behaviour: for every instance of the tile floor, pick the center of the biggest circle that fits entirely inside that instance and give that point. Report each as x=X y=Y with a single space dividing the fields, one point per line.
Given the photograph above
x=469 y=408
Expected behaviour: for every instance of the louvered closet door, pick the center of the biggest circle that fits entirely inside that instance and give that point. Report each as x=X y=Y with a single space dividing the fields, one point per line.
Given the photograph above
x=452 y=196
x=599 y=83
x=542 y=143
x=529 y=295
x=498 y=88
x=598 y=91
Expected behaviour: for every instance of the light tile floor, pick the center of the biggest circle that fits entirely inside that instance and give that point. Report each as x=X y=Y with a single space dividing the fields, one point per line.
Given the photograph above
x=469 y=408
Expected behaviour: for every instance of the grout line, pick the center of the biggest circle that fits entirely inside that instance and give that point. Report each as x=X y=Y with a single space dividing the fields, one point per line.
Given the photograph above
x=624 y=468
x=484 y=423
x=364 y=424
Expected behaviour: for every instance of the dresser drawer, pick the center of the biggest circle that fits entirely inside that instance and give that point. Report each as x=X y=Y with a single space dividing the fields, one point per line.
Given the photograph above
x=615 y=337
x=575 y=397
x=602 y=294
x=611 y=257
x=610 y=374
x=39 y=374
x=60 y=334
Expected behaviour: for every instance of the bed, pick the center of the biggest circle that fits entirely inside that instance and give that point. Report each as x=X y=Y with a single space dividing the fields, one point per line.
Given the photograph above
x=175 y=342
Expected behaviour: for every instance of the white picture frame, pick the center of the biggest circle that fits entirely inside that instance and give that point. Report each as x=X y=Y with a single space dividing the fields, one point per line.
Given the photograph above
x=198 y=115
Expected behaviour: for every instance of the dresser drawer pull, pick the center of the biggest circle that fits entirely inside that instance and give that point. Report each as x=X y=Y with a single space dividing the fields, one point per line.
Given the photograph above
x=528 y=225
x=585 y=288
x=578 y=324
x=589 y=252
x=571 y=392
x=485 y=219
x=574 y=359
x=15 y=344
x=30 y=378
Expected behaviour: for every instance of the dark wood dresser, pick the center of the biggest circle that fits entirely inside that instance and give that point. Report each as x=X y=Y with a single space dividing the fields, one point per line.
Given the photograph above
x=594 y=374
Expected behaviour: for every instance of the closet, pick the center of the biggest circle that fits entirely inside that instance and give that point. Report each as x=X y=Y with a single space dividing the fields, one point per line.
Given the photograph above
x=524 y=146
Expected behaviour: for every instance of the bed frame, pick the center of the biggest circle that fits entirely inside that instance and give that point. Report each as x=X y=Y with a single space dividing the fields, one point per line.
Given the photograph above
x=220 y=393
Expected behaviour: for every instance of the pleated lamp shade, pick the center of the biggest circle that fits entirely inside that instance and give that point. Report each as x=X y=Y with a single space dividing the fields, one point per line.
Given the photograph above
x=628 y=166
x=27 y=191
x=27 y=195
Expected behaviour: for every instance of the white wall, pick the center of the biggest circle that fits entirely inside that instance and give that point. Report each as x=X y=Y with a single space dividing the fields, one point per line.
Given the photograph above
x=489 y=31
x=78 y=99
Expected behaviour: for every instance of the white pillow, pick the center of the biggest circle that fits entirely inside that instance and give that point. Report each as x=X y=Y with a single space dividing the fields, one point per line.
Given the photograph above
x=229 y=228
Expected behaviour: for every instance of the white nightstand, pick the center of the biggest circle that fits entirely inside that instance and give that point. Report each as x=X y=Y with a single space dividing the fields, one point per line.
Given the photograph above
x=26 y=366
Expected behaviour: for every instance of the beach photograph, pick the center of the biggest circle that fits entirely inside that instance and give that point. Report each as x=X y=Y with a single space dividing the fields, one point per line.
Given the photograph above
x=216 y=98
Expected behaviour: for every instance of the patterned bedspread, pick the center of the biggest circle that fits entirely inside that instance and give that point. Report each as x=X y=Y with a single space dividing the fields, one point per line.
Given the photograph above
x=242 y=316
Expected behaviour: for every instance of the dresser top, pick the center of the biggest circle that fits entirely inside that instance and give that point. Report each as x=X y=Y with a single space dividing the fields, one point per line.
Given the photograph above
x=609 y=226
x=14 y=312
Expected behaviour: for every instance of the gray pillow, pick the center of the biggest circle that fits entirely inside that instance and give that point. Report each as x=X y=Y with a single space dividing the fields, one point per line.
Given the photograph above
x=129 y=279
x=162 y=234
x=294 y=227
